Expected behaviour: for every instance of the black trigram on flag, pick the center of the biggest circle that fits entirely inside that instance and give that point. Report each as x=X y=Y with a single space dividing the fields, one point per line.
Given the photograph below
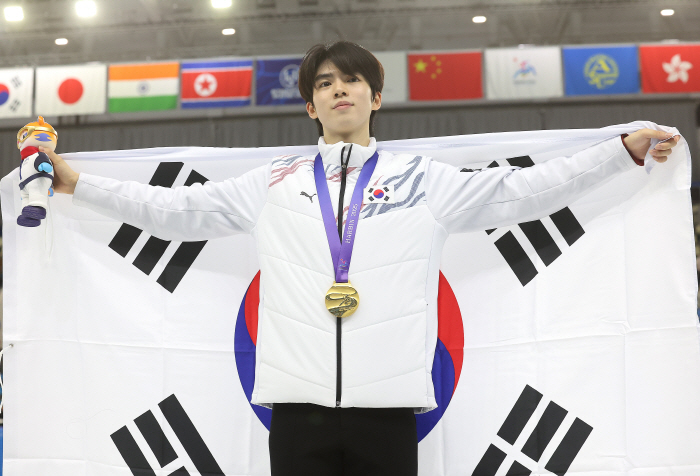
x=535 y=231
x=154 y=249
x=537 y=442
x=190 y=439
x=16 y=82
x=14 y=105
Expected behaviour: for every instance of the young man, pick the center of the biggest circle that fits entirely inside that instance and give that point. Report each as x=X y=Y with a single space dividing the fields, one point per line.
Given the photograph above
x=344 y=385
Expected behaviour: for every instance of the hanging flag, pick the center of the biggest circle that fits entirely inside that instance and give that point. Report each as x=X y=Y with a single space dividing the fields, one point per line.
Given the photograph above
x=670 y=68
x=143 y=87
x=277 y=81
x=216 y=83
x=601 y=70
x=523 y=73
x=16 y=87
x=395 y=79
x=69 y=90
x=438 y=76
x=575 y=351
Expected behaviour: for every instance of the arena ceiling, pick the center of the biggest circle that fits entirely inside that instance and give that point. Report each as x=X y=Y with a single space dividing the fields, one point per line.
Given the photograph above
x=136 y=30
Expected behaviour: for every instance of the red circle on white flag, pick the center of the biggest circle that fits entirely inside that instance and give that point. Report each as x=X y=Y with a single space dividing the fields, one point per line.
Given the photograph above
x=70 y=91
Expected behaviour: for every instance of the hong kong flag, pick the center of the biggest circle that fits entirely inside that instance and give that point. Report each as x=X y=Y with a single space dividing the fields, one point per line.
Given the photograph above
x=670 y=68
x=70 y=90
x=444 y=76
x=216 y=83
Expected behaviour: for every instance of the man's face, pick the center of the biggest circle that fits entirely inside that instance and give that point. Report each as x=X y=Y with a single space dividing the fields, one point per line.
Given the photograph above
x=342 y=102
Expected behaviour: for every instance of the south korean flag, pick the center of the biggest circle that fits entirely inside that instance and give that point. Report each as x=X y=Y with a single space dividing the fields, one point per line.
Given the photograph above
x=16 y=87
x=379 y=194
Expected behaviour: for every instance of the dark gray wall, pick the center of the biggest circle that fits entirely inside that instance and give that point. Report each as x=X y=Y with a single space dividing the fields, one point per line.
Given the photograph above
x=397 y=122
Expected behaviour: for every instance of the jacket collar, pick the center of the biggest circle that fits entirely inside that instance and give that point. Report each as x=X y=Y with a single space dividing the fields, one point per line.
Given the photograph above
x=359 y=154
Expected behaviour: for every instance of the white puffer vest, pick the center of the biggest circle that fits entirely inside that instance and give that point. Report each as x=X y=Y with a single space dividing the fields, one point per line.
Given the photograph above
x=384 y=352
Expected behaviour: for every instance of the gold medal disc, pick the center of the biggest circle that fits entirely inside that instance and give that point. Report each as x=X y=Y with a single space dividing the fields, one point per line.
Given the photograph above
x=342 y=299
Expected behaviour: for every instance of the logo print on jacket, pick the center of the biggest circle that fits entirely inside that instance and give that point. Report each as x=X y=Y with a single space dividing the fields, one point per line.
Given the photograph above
x=311 y=197
x=536 y=233
x=286 y=165
x=539 y=439
x=381 y=193
x=399 y=181
x=185 y=431
x=154 y=249
x=447 y=364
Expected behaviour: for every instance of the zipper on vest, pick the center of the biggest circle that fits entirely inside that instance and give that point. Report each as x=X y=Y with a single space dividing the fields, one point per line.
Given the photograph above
x=339 y=321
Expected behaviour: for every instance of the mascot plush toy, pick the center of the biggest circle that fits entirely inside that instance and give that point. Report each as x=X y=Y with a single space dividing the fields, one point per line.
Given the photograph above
x=36 y=171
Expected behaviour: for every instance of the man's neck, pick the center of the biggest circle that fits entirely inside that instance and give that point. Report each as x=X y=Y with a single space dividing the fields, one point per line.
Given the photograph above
x=359 y=139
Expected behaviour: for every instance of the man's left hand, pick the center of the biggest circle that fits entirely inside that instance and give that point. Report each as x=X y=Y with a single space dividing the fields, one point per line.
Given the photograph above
x=638 y=144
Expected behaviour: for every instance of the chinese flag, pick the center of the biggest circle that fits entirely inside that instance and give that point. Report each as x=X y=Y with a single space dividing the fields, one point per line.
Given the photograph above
x=670 y=68
x=437 y=76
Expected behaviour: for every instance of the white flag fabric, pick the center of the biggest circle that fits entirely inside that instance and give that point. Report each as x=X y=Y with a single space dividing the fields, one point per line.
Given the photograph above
x=395 y=76
x=569 y=344
x=522 y=73
x=68 y=90
x=16 y=88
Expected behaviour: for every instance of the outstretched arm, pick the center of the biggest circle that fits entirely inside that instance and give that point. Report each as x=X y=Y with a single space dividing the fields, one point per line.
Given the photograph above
x=501 y=196
x=197 y=212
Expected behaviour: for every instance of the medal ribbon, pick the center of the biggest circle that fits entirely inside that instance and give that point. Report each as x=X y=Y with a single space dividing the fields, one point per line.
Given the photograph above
x=342 y=252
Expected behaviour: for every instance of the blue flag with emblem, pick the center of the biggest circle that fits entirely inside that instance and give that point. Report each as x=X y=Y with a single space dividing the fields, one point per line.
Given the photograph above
x=277 y=81
x=601 y=70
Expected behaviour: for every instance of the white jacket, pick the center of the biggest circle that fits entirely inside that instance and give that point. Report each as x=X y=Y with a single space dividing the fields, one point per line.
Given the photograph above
x=386 y=348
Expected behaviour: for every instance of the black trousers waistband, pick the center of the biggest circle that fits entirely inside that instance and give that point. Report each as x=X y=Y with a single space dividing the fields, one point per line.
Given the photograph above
x=307 y=439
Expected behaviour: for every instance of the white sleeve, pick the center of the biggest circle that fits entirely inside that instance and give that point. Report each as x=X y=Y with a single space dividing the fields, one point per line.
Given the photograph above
x=194 y=213
x=501 y=196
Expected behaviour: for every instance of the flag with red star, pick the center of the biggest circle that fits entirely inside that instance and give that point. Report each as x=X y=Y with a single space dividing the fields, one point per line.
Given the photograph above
x=216 y=83
x=440 y=76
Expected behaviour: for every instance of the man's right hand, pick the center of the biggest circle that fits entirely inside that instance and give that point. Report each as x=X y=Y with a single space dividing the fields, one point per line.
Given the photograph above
x=64 y=178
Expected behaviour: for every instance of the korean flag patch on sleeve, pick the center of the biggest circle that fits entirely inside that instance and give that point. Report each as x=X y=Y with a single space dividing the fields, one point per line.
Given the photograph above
x=379 y=194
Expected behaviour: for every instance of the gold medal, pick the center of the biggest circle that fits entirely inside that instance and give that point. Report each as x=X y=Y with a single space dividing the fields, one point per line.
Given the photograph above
x=342 y=299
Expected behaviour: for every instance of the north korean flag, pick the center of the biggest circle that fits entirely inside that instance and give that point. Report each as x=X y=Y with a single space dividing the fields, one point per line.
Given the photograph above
x=670 y=68
x=216 y=84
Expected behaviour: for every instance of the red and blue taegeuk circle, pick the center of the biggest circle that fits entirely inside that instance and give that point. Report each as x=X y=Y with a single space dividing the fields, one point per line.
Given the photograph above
x=378 y=193
x=4 y=94
x=447 y=364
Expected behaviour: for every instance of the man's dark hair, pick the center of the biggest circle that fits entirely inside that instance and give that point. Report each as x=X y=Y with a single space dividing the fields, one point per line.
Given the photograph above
x=348 y=57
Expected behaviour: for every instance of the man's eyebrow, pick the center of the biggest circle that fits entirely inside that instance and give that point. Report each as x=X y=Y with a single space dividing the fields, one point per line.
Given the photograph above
x=323 y=76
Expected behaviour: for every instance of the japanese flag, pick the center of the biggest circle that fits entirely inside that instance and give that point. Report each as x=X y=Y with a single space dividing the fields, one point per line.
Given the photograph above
x=16 y=86
x=69 y=90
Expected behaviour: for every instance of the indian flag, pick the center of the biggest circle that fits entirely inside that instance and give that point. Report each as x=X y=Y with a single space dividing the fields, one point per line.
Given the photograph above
x=143 y=87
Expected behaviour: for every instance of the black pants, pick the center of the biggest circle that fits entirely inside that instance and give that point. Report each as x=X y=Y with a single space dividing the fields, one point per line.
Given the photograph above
x=312 y=440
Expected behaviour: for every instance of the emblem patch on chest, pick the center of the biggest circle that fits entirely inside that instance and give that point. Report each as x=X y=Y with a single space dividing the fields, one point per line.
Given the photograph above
x=379 y=194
